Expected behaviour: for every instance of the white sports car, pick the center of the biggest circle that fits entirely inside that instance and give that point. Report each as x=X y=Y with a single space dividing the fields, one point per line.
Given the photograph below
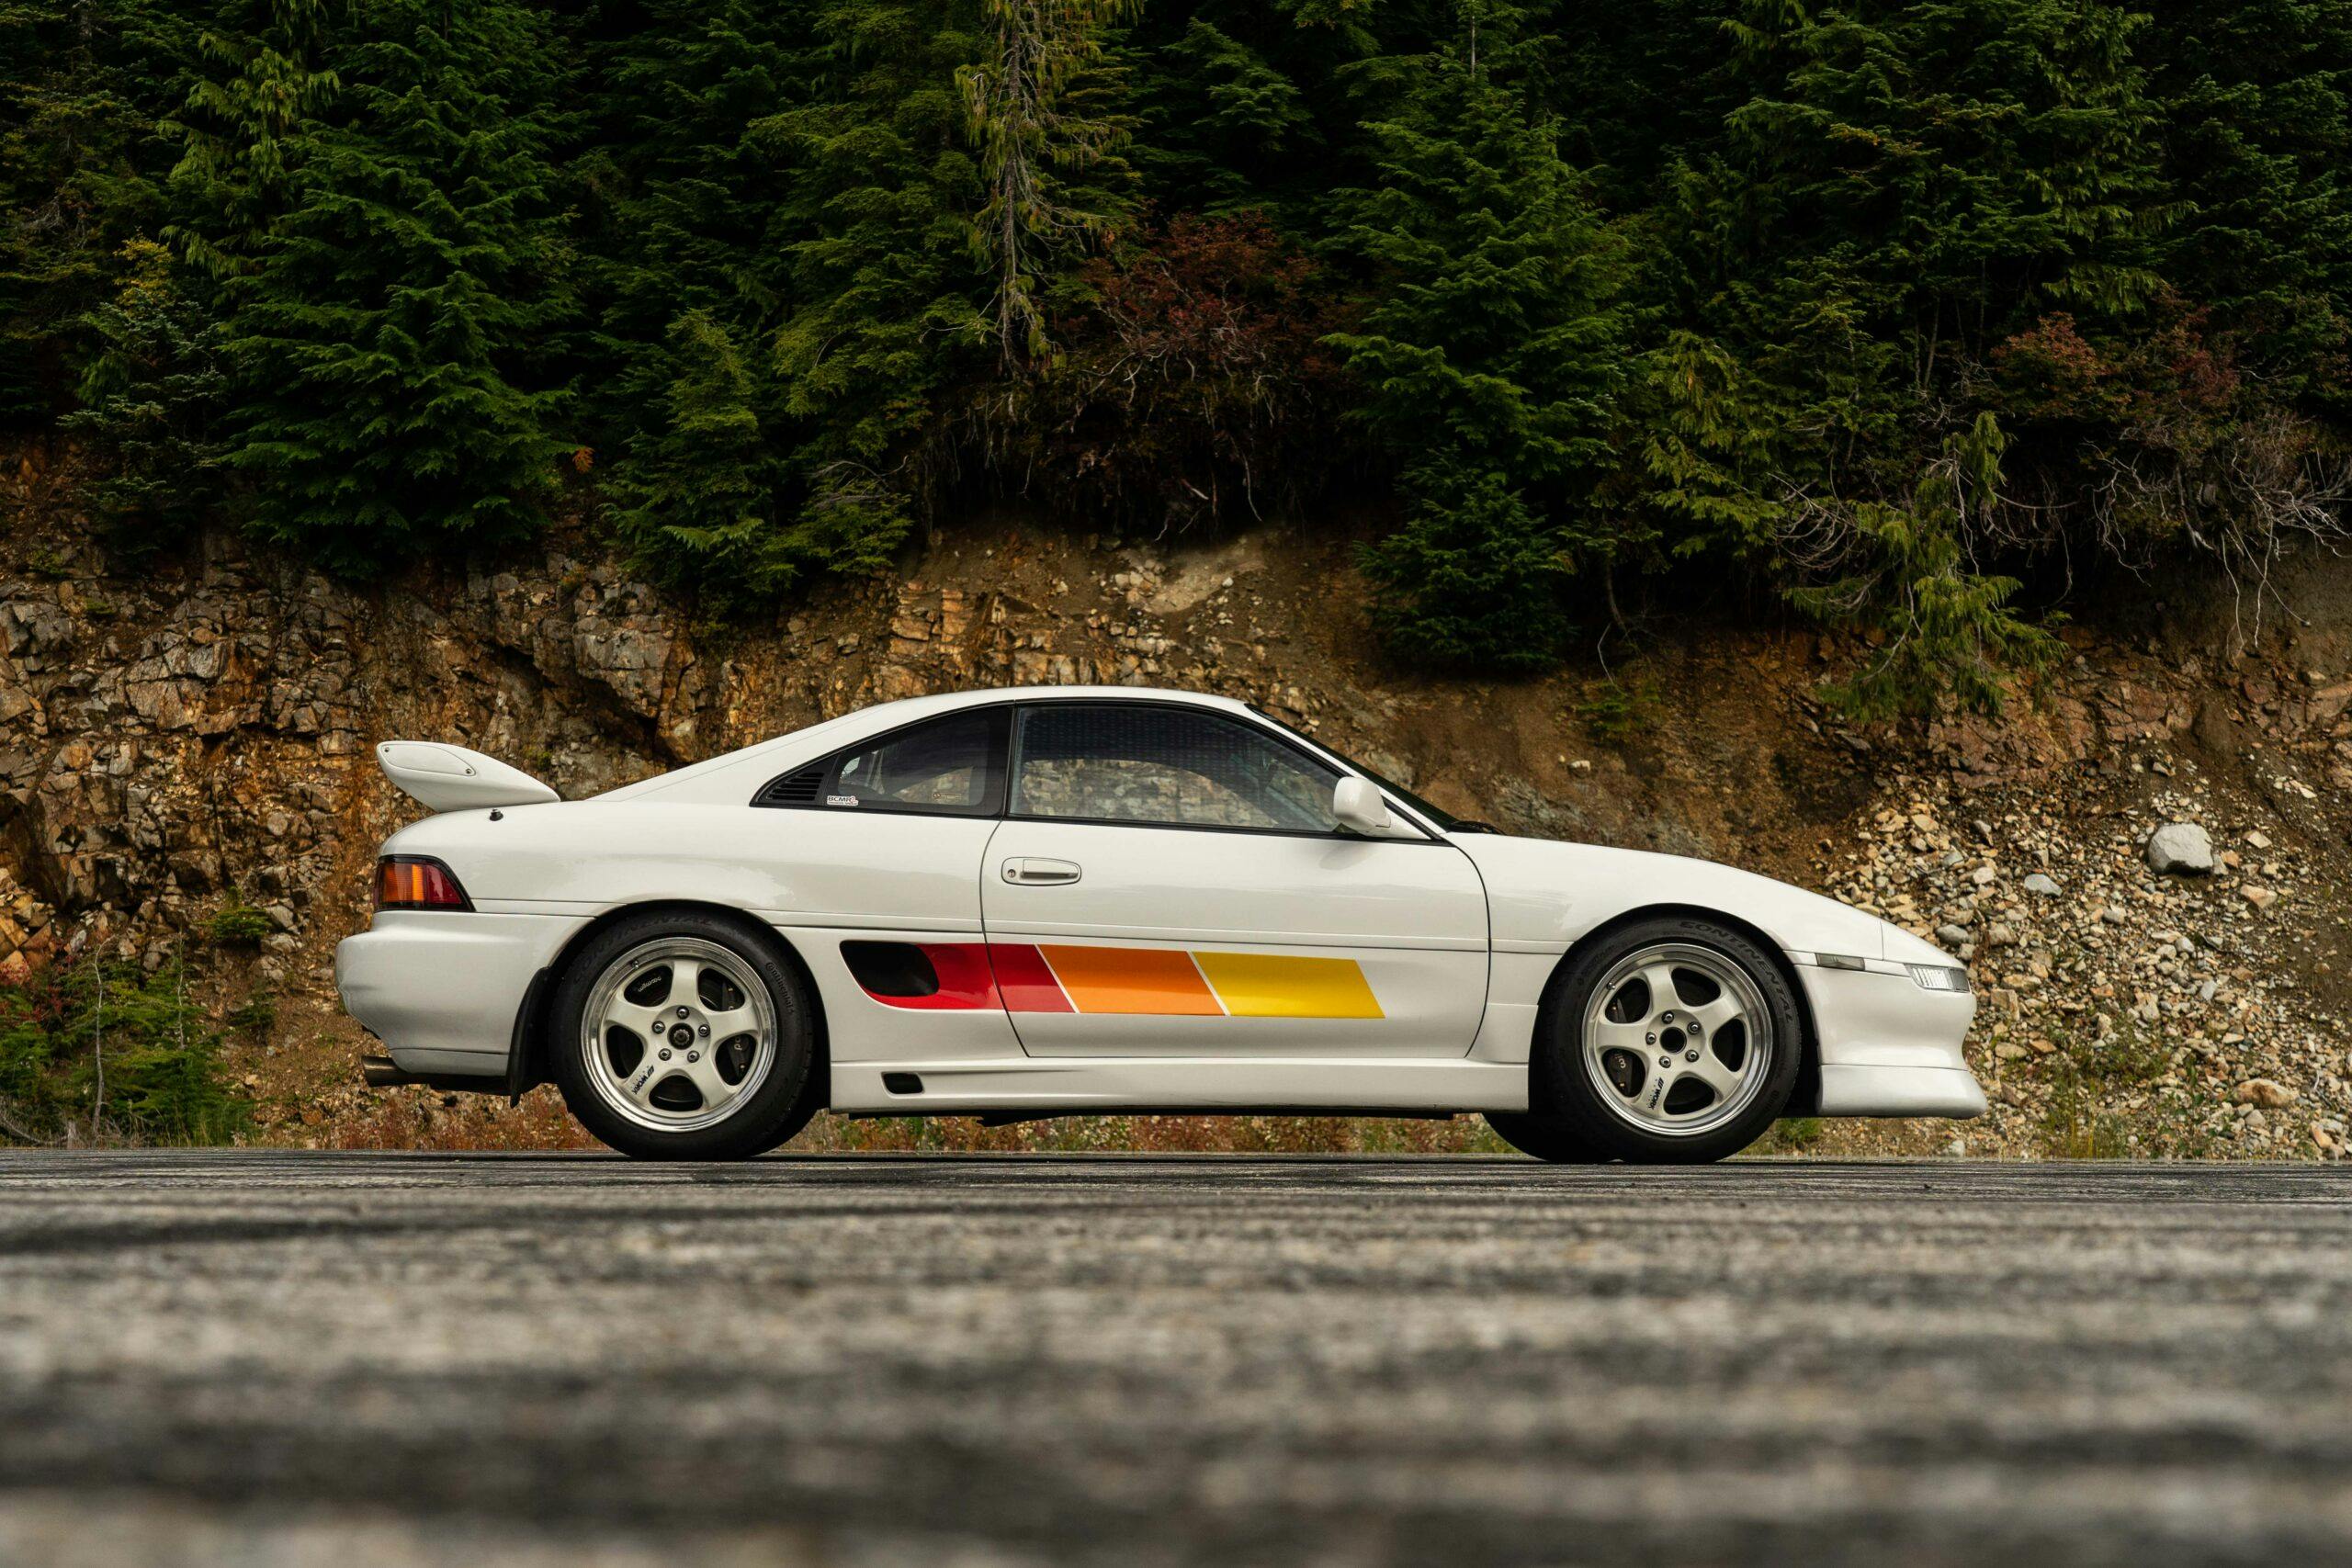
x=1068 y=900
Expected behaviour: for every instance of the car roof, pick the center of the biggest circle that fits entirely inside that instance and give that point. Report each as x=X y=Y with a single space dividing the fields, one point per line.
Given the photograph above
x=715 y=779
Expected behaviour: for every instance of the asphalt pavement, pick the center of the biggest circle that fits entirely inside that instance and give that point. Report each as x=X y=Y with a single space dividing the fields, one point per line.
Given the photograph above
x=280 y=1357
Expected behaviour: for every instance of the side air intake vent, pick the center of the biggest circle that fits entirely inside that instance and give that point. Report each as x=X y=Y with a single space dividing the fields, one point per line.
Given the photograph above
x=794 y=789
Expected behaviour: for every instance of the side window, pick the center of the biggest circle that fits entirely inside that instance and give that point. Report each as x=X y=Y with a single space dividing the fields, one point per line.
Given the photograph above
x=1138 y=763
x=951 y=766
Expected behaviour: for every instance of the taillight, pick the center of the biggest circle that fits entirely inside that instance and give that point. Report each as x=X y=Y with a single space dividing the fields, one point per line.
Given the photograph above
x=415 y=882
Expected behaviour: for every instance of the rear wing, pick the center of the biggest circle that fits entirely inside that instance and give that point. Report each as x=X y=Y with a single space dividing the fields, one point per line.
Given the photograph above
x=450 y=778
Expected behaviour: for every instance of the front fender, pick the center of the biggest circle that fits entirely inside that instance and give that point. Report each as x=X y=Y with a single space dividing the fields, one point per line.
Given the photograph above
x=1544 y=897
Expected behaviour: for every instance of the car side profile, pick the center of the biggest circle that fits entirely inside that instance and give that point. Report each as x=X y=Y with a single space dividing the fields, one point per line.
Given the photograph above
x=1072 y=900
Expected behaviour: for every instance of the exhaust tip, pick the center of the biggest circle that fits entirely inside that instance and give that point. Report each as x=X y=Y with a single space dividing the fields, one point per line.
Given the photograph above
x=381 y=1072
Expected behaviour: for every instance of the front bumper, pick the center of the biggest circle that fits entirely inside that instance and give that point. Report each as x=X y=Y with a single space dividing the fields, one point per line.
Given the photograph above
x=1849 y=1090
x=440 y=989
x=1889 y=1046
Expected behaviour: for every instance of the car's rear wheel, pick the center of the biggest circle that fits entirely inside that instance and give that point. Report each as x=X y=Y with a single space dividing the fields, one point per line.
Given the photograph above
x=683 y=1035
x=1673 y=1041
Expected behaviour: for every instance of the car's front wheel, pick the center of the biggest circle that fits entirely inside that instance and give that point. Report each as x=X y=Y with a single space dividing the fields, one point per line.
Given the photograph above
x=1672 y=1041
x=682 y=1034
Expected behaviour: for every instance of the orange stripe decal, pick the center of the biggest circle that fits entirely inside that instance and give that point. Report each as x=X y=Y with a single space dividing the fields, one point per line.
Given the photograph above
x=1133 y=980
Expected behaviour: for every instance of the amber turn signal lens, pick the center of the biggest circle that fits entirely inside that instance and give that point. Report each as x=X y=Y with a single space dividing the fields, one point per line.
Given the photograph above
x=411 y=882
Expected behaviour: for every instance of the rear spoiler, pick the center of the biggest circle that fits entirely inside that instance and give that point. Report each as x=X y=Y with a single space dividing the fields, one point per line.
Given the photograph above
x=450 y=778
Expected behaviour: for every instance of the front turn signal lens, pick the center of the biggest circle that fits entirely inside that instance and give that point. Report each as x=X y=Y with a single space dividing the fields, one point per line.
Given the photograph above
x=1935 y=977
x=417 y=882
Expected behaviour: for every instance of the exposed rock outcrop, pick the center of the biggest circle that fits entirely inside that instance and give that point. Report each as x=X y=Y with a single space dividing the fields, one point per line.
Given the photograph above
x=203 y=726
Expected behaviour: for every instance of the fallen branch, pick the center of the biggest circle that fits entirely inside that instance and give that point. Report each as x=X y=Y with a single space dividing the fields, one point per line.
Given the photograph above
x=8 y=1126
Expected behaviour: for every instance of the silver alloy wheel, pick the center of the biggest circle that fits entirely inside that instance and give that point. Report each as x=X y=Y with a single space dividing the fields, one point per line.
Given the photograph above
x=678 y=1032
x=1677 y=1040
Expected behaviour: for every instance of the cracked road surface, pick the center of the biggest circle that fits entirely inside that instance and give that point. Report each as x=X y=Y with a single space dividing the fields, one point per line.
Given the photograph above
x=278 y=1357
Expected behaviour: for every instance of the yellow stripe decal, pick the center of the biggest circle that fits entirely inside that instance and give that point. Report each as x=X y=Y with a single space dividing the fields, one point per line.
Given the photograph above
x=1271 y=985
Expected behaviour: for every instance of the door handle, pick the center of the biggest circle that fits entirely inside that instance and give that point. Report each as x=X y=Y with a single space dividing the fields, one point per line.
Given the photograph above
x=1034 y=873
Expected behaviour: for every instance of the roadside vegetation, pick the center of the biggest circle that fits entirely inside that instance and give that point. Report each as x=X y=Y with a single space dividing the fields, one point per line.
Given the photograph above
x=1905 y=314
x=2090 y=1082
x=93 y=1054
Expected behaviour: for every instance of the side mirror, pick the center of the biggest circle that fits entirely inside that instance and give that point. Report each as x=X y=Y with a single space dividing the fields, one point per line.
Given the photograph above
x=1359 y=809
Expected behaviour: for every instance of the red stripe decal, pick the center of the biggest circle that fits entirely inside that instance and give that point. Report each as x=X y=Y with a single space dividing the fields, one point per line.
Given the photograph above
x=964 y=980
x=1022 y=978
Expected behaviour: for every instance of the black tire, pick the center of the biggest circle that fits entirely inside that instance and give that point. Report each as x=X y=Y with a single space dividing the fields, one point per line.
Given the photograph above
x=765 y=1117
x=1571 y=1119
x=1545 y=1138
x=804 y=1110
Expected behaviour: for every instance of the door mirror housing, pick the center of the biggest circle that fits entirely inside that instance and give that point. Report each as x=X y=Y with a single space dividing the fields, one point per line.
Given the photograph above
x=1359 y=809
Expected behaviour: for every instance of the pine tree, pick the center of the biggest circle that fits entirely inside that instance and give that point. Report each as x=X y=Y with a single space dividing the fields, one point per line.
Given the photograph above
x=1220 y=109
x=1239 y=106
x=81 y=166
x=1885 y=302
x=391 y=264
x=697 y=492
x=1044 y=112
x=1968 y=163
x=1945 y=630
x=2256 y=100
x=1472 y=577
x=885 y=302
x=680 y=197
x=1640 y=90
x=258 y=89
x=153 y=397
x=1490 y=355
x=1903 y=189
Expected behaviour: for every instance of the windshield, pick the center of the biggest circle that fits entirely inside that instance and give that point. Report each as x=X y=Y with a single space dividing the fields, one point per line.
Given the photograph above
x=1445 y=821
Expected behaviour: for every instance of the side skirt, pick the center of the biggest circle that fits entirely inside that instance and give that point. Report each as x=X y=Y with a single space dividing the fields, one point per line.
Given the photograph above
x=1089 y=1086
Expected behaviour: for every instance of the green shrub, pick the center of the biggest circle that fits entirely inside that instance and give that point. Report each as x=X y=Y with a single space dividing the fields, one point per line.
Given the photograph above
x=237 y=923
x=255 y=1015
x=1618 y=711
x=2085 y=1076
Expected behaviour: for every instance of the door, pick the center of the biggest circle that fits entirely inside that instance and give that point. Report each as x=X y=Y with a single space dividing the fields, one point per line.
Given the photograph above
x=1170 y=881
x=878 y=852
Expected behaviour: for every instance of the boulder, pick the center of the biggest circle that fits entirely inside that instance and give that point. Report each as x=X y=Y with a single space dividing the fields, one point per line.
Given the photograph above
x=2180 y=849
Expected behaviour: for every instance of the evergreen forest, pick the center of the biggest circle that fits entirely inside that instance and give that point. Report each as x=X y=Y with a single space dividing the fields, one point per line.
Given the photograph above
x=1906 y=317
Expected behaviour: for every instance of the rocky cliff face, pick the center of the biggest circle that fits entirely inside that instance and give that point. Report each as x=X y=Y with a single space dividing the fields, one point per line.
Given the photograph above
x=199 y=729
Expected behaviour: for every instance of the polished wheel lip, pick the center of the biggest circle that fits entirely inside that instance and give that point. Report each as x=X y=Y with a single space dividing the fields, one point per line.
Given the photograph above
x=606 y=1007
x=1739 y=999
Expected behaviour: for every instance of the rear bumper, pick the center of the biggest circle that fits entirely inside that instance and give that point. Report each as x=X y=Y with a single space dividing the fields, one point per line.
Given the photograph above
x=441 y=989
x=1889 y=1046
